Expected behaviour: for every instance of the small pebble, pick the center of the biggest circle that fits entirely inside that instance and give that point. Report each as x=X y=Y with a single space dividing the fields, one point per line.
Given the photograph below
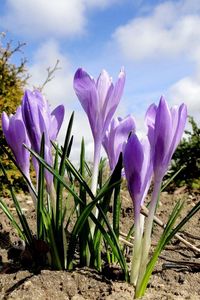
x=77 y=297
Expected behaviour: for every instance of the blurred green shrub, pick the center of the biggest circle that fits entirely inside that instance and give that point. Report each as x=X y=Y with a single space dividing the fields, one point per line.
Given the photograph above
x=12 y=82
x=187 y=155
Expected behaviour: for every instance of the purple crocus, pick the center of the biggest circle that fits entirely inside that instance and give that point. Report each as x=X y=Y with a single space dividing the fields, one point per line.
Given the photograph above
x=116 y=136
x=39 y=119
x=16 y=135
x=99 y=99
x=138 y=169
x=165 y=129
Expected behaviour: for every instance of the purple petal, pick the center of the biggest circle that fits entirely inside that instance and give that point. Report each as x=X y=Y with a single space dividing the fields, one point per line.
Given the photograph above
x=30 y=113
x=15 y=134
x=150 y=121
x=85 y=89
x=116 y=135
x=133 y=159
x=180 y=126
x=5 y=124
x=113 y=100
x=103 y=85
x=163 y=130
x=21 y=153
x=57 y=117
x=86 y=92
x=150 y=115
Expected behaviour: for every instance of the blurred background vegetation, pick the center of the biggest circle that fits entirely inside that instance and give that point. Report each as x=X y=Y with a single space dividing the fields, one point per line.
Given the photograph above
x=13 y=79
x=187 y=155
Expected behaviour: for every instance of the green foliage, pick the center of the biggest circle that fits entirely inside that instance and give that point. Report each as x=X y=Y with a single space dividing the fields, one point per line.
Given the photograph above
x=187 y=156
x=12 y=81
x=12 y=77
x=63 y=236
x=55 y=217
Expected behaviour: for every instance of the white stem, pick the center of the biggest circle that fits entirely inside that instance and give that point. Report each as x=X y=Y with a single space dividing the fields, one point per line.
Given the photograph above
x=95 y=171
x=31 y=188
x=136 y=258
x=147 y=233
x=33 y=196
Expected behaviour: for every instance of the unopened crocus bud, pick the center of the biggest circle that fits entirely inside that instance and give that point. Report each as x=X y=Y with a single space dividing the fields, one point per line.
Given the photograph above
x=166 y=126
x=16 y=135
x=138 y=169
x=39 y=120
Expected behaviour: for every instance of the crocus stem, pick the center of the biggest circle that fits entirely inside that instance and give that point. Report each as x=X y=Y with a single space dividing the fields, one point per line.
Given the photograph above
x=147 y=233
x=138 y=232
x=95 y=171
x=33 y=196
x=31 y=189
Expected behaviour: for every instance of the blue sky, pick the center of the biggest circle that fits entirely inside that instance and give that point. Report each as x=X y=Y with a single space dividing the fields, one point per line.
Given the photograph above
x=157 y=42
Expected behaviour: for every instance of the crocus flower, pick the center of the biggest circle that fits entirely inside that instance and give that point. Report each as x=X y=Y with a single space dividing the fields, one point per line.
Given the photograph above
x=116 y=136
x=39 y=120
x=166 y=127
x=99 y=99
x=16 y=135
x=138 y=169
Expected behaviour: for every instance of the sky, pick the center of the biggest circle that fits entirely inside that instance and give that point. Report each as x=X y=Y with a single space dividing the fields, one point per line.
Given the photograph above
x=157 y=42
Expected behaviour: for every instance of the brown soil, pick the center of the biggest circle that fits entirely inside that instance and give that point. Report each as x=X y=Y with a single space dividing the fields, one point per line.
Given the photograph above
x=176 y=275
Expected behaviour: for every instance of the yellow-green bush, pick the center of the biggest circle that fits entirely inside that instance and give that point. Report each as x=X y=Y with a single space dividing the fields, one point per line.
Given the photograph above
x=12 y=81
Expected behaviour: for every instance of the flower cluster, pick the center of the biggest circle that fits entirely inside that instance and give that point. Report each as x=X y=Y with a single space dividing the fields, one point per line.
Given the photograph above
x=34 y=127
x=32 y=120
x=146 y=158
x=143 y=159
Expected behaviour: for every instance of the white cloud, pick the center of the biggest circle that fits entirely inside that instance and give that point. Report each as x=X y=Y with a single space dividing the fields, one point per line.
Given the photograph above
x=171 y=29
x=59 y=89
x=100 y=3
x=81 y=129
x=187 y=90
x=169 y=32
x=47 y=17
x=55 y=18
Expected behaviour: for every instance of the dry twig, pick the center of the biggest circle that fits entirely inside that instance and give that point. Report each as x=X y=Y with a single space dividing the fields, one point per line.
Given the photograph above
x=145 y=212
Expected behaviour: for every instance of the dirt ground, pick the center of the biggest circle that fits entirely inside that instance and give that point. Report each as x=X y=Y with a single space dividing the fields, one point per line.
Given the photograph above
x=177 y=273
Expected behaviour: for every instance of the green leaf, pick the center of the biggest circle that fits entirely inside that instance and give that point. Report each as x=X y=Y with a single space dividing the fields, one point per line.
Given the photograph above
x=84 y=234
x=105 y=204
x=40 y=198
x=56 y=262
x=59 y=187
x=192 y=212
x=24 y=176
x=6 y=210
